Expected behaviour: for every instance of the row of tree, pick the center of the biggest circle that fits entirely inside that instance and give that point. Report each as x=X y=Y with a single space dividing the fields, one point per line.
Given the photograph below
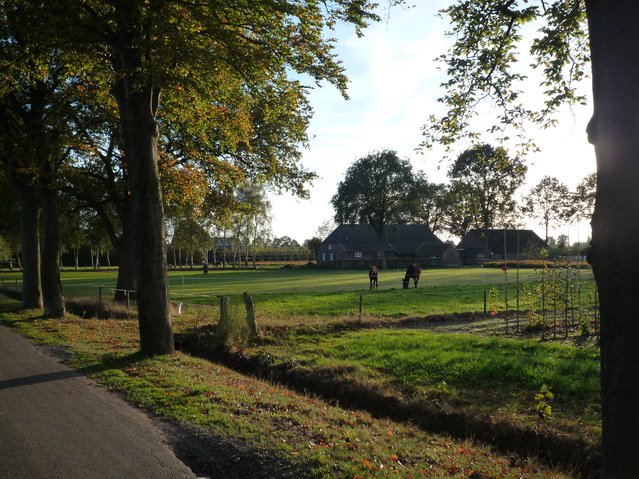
x=157 y=70
x=137 y=108
x=381 y=189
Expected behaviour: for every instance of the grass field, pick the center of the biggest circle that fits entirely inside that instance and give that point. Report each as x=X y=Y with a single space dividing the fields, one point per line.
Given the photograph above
x=492 y=381
x=280 y=294
x=231 y=281
x=301 y=435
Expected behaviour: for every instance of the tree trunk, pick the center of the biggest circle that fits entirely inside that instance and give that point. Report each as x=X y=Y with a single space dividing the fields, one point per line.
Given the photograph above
x=615 y=225
x=53 y=300
x=224 y=249
x=30 y=243
x=156 y=335
x=138 y=101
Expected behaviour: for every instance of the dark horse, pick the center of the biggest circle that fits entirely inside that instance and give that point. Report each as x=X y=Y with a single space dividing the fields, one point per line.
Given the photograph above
x=413 y=271
x=372 y=276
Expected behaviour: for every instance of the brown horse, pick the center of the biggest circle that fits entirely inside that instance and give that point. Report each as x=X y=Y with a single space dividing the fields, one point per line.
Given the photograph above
x=412 y=271
x=372 y=277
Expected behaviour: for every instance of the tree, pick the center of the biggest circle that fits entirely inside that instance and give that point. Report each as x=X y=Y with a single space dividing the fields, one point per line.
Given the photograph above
x=460 y=213
x=35 y=131
x=313 y=244
x=258 y=217
x=325 y=228
x=9 y=222
x=226 y=60
x=583 y=198
x=377 y=190
x=484 y=180
x=574 y=35
x=432 y=203
x=548 y=201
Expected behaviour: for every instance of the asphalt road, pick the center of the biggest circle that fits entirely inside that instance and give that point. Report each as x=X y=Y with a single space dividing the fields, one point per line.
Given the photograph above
x=55 y=423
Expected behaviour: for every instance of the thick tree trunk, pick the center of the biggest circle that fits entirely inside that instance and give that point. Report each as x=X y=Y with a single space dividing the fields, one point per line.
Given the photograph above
x=156 y=335
x=141 y=133
x=613 y=130
x=382 y=247
x=138 y=101
x=30 y=243
x=53 y=300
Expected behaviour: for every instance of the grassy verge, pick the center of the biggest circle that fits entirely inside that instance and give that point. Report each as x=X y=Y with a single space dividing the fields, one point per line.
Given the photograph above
x=494 y=376
x=468 y=386
x=314 y=436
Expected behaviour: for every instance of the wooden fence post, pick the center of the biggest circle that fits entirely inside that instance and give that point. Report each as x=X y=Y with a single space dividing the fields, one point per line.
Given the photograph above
x=250 y=316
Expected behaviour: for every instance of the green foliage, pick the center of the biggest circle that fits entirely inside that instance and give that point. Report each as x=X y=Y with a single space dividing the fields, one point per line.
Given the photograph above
x=376 y=190
x=434 y=203
x=543 y=402
x=583 y=201
x=482 y=66
x=549 y=201
x=493 y=301
x=483 y=182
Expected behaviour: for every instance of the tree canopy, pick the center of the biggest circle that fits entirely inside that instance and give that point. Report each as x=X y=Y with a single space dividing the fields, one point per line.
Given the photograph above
x=482 y=67
x=548 y=201
x=204 y=90
x=484 y=180
x=377 y=190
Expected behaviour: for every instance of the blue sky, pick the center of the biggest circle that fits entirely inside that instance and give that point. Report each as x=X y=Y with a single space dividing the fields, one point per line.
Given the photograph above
x=394 y=85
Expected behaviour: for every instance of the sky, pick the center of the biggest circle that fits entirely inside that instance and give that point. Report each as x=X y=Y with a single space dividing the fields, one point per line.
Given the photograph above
x=394 y=84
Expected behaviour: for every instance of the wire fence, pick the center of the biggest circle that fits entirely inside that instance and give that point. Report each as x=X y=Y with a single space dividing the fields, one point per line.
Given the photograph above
x=558 y=303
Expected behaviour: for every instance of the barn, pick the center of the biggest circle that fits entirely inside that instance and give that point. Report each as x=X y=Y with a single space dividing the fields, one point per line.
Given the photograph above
x=486 y=244
x=351 y=245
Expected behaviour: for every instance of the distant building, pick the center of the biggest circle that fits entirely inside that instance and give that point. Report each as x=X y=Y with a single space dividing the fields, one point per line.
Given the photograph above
x=479 y=245
x=359 y=245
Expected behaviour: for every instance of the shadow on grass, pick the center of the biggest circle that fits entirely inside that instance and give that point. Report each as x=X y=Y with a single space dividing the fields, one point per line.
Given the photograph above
x=210 y=455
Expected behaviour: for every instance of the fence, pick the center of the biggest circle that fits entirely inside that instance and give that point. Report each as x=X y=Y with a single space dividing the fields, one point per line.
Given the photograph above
x=557 y=303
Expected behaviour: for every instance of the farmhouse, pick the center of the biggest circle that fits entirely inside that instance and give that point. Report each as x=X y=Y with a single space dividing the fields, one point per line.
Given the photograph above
x=359 y=245
x=478 y=245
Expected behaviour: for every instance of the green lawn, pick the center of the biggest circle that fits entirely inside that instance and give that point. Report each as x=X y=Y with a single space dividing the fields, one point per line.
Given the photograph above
x=493 y=378
x=304 y=435
x=284 y=293
x=420 y=360
x=285 y=280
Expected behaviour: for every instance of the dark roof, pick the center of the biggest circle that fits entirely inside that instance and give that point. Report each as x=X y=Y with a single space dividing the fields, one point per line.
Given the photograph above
x=402 y=239
x=475 y=239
